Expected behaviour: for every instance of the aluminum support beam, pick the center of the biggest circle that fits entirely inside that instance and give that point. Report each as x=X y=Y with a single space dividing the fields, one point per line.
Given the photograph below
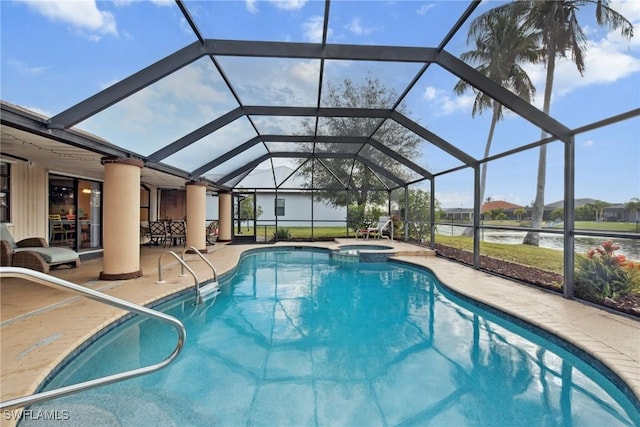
x=265 y=49
x=265 y=110
x=476 y=217
x=502 y=95
x=196 y=135
x=433 y=138
x=569 y=218
x=126 y=87
x=400 y=158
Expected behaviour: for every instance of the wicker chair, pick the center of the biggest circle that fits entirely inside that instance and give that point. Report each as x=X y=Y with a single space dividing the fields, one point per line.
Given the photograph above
x=33 y=253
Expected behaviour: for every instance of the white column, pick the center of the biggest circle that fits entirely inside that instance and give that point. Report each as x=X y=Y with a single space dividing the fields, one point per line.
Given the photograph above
x=197 y=215
x=121 y=219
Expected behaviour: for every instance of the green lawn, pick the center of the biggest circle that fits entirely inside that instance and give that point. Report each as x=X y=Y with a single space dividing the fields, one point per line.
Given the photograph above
x=544 y=258
x=302 y=232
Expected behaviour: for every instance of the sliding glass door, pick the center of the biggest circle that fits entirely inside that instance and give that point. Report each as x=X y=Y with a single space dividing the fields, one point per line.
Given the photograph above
x=75 y=214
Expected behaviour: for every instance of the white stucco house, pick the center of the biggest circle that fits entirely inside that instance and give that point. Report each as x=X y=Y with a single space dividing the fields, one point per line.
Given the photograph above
x=295 y=206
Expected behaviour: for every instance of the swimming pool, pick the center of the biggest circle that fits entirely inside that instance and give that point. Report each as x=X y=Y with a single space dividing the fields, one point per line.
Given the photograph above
x=298 y=339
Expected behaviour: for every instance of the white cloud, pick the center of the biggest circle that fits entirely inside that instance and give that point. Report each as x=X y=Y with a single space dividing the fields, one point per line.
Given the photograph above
x=289 y=4
x=161 y=3
x=83 y=16
x=455 y=199
x=630 y=9
x=605 y=63
x=422 y=10
x=313 y=28
x=307 y=71
x=430 y=93
x=23 y=68
x=251 y=6
x=356 y=27
x=443 y=103
x=588 y=143
x=607 y=60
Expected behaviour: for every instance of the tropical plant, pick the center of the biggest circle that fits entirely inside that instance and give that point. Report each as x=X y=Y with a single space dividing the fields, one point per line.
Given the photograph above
x=634 y=206
x=247 y=211
x=598 y=206
x=585 y=213
x=281 y=234
x=602 y=274
x=557 y=214
x=419 y=213
x=363 y=216
x=502 y=44
x=562 y=35
x=520 y=213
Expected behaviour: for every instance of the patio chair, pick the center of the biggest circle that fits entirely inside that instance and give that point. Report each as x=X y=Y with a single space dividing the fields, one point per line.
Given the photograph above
x=384 y=222
x=33 y=253
x=158 y=233
x=178 y=232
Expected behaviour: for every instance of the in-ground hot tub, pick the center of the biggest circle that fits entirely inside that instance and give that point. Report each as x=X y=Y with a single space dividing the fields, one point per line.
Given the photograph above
x=363 y=253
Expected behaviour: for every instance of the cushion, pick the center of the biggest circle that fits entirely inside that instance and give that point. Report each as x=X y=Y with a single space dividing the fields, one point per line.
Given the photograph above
x=5 y=235
x=53 y=255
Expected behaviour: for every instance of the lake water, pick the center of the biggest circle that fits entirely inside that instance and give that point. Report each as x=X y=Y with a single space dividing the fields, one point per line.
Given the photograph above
x=628 y=247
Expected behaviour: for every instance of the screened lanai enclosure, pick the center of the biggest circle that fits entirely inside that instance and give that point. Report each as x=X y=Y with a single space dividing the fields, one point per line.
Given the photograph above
x=332 y=121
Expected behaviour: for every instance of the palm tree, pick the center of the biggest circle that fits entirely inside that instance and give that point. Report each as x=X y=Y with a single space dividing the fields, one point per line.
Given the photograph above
x=561 y=36
x=501 y=45
x=599 y=206
x=634 y=206
x=520 y=213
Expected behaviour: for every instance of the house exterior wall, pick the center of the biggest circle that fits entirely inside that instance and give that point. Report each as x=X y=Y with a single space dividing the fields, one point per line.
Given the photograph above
x=297 y=210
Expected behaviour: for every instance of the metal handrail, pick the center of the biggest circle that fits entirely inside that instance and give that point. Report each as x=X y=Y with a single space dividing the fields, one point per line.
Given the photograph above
x=54 y=282
x=182 y=263
x=197 y=252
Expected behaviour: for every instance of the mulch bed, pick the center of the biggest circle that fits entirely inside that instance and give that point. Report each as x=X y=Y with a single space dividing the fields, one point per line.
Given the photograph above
x=629 y=304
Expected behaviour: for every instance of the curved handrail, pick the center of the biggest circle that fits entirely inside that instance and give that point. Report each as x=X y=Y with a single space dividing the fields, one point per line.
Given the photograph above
x=55 y=282
x=182 y=263
x=197 y=252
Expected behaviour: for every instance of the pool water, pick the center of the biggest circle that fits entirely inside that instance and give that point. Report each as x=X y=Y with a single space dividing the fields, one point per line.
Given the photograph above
x=296 y=339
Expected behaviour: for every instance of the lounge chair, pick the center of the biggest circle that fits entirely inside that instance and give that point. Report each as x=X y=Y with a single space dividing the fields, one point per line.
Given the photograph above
x=384 y=223
x=33 y=253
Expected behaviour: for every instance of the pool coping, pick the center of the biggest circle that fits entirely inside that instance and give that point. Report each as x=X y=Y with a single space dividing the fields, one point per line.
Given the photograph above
x=476 y=285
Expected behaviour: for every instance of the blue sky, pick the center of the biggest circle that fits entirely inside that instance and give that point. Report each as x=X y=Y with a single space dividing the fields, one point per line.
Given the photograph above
x=55 y=54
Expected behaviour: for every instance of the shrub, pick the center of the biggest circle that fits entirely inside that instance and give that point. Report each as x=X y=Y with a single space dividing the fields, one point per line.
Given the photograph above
x=602 y=274
x=281 y=234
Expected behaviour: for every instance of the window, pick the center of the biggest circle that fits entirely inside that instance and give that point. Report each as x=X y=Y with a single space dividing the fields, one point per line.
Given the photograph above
x=4 y=192
x=279 y=207
x=145 y=202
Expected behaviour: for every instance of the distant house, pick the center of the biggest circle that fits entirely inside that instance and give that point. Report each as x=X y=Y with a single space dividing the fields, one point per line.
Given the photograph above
x=618 y=212
x=507 y=208
x=615 y=212
x=462 y=215
x=289 y=207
